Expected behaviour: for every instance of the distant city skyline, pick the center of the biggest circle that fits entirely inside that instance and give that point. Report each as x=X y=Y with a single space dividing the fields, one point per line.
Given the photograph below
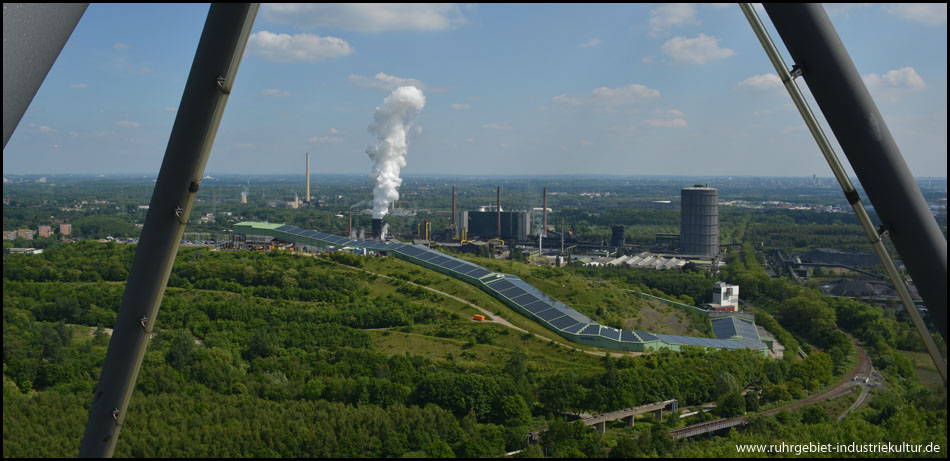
x=662 y=90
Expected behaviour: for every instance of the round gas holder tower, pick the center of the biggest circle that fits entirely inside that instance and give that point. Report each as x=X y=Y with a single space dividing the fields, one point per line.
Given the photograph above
x=699 y=220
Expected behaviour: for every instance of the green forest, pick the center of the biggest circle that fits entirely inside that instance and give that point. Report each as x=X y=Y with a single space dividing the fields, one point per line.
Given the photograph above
x=275 y=354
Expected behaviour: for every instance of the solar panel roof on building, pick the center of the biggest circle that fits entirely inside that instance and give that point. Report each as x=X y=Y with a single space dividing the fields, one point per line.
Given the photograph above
x=646 y=336
x=629 y=336
x=591 y=329
x=536 y=306
x=610 y=333
x=565 y=323
x=550 y=314
x=571 y=328
x=728 y=327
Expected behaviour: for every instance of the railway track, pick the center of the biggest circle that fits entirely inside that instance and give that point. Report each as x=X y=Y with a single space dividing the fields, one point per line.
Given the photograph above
x=861 y=370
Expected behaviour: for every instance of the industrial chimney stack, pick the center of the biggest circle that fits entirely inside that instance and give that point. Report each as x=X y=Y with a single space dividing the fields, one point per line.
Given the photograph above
x=308 y=178
x=377 y=228
x=499 y=212
x=544 y=211
x=453 y=212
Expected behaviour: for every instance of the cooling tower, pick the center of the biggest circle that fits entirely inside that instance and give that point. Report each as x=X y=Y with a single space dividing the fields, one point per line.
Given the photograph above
x=699 y=224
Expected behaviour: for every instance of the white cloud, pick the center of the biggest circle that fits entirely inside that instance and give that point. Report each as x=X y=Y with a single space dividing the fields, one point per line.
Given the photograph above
x=334 y=131
x=905 y=78
x=586 y=143
x=275 y=92
x=671 y=15
x=128 y=124
x=842 y=9
x=590 y=43
x=894 y=84
x=699 y=50
x=760 y=82
x=669 y=113
x=297 y=47
x=461 y=107
x=171 y=109
x=41 y=129
x=368 y=18
x=497 y=126
x=324 y=139
x=79 y=85
x=121 y=46
x=384 y=82
x=604 y=96
x=674 y=123
x=928 y=14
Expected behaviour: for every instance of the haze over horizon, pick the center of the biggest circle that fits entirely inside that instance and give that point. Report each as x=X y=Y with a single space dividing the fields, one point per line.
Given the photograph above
x=665 y=90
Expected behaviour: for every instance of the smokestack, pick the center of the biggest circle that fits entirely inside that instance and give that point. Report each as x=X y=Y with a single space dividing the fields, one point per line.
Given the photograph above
x=499 y=212
x=349 y=227
x=377 y=228
x=544 y=211
x=453 y=211
x=308 y=178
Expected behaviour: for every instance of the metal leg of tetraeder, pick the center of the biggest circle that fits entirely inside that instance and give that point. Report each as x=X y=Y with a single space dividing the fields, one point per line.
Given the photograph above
x=852 y=195
x=206 y=92
x=33 y=36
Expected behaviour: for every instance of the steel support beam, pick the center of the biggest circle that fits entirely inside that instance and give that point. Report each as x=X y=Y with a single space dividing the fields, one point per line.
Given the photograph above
x=844 y=100
x=33 y=36
x=206 y=93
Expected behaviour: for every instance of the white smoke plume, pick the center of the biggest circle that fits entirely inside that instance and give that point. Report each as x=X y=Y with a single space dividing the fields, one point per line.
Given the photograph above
x=391 y=126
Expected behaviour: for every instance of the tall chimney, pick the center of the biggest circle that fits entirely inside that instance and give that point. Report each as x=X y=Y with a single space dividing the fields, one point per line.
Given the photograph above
x=377 y=228
x=544 y=210
x=453 y=211
x=308 y=178
x=349 y=227
x=498 y=208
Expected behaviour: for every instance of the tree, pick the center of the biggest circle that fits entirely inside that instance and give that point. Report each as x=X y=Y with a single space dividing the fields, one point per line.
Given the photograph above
x=730 y=405
x=513 y=411
x=726 y=384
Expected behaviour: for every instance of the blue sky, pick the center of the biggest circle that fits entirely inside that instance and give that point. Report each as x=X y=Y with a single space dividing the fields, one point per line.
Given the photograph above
x=510 y=89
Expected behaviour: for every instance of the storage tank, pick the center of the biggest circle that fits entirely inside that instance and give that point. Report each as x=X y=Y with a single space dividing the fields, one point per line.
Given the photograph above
x=699 y=223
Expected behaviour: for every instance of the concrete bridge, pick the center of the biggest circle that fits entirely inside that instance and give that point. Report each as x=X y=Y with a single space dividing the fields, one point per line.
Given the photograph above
x=600 y=421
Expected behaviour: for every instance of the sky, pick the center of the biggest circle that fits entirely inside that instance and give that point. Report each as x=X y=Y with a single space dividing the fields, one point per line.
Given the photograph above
x=624 y=89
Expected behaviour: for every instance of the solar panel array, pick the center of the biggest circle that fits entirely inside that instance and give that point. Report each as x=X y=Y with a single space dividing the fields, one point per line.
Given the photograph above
x=701 y=342
x=731 y=327
x=537 y=305
x=448 y=263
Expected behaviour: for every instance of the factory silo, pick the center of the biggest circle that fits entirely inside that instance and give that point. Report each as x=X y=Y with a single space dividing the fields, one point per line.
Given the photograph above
x=699 y=223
